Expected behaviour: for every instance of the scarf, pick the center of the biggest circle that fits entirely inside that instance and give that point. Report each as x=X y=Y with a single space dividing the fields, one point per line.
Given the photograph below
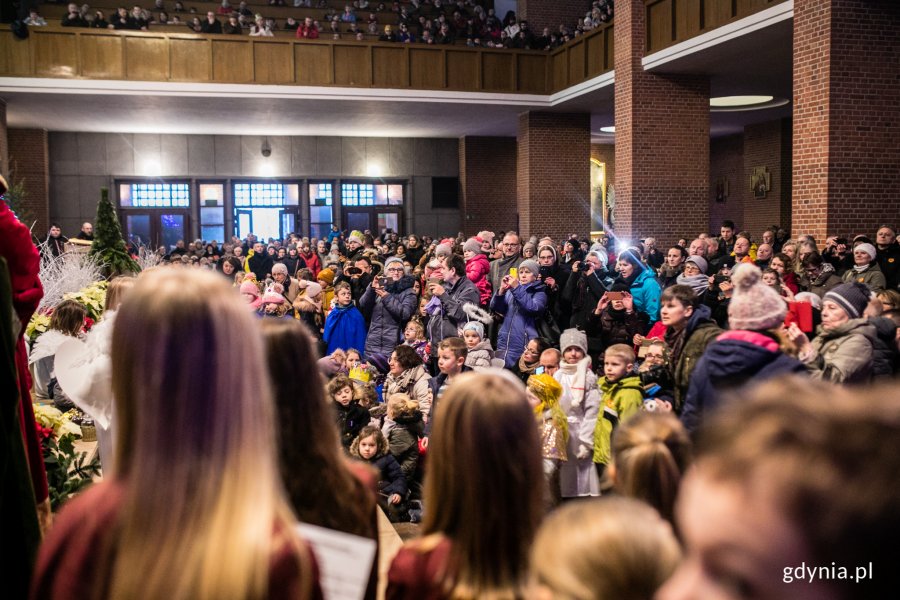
x=528 y=368
x=675 y=338
x=579 y=370
x=404 y=283
x=862 y=268
x=698 y=283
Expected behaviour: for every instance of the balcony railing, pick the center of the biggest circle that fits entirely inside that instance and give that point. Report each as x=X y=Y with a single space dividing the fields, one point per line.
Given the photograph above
x=672 y=21
x=64 y=52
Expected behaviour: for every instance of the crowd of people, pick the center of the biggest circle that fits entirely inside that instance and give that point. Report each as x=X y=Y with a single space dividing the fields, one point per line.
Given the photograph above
x=477 y=384
x=425 y=21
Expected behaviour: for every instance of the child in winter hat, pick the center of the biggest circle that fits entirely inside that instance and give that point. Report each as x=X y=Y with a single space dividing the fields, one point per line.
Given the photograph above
x=754 y=305
x=250 y=294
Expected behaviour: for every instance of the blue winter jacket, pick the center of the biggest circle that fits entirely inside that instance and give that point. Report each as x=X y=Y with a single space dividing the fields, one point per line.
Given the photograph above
x=645 y=291
x=737 y=358
x=520 y=307
x=345 y=328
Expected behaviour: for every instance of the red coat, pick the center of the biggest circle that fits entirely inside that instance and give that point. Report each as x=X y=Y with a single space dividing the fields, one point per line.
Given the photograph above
x=312 y=262
x=24 y=263
x=477 y=270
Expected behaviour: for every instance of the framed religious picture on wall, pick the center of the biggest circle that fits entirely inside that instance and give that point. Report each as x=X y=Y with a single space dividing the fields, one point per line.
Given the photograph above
x=721 y=189
x=760 y=182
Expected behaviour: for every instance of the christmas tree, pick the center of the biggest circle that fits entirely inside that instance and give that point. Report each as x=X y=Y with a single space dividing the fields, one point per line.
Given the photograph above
x=108 y=243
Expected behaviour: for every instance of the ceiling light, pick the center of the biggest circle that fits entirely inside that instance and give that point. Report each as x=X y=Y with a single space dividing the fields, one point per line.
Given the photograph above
x=735 y=101
x=608 y=129
x=373 y=169
x=151 y=167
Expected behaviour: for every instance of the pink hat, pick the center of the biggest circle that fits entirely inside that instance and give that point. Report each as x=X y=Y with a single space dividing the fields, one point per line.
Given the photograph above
x=272 y=297
x=249 y=287
x=754 y=305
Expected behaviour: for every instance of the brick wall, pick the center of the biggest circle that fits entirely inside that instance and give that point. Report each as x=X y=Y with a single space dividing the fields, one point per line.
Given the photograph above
x=487 y=172
x=29 y=163
x=662 y=141
x=547 y=13
x=764 y=146
x=846 y=116
x=553 y=174
x=734 y=157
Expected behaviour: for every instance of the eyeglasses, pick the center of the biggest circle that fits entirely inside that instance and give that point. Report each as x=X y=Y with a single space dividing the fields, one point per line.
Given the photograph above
x=395 y=270
x=510 y=245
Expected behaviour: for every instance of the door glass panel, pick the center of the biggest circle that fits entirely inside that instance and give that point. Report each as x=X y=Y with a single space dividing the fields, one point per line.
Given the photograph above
x=288 y=222
x=171 y=230
x=358 y=221
x=244 y=223
x=138 y=229
x=388 y=221
x=266 y=223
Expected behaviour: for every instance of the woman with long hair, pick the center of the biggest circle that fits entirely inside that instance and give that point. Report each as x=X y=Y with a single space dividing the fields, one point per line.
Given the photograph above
x=323 y=487
x=195 y=508
x=483 y=496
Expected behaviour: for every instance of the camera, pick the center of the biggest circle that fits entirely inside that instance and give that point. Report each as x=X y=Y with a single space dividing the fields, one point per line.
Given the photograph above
x=656 y=379
x=354 y=271
x=722 y=278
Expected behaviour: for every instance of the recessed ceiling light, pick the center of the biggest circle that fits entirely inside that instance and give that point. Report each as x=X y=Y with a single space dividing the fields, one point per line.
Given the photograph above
x=608 y=129
x=735 y=101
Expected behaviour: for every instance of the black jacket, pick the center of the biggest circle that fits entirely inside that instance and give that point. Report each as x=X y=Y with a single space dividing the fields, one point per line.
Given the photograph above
x=391 y=479
x=350 y=420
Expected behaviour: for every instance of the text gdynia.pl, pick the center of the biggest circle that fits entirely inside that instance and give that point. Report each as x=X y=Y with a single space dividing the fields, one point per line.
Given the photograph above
x=833 y=572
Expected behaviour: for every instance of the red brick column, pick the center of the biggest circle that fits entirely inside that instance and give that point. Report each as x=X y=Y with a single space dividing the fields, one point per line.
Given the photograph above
x=554 y=174
x=487 y=174
x=846 y=128
x=29 y=162
x=662 y=141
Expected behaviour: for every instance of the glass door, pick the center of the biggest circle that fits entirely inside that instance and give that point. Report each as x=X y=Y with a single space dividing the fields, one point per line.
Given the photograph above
x=155 y=228
x=243 y=223
x=358 y=220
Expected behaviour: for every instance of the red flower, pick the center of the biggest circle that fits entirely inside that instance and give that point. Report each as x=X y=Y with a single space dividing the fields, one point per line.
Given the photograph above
x=88 y=323
x=43 y=432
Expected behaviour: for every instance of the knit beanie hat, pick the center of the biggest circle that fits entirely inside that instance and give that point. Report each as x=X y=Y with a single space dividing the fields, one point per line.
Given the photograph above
x=249 y=287
x=279 y=268
x=754 y=305
x=443 y=250
x=573 y=337
x=531 y=245
x=853 y=297
x=531 y=265
x=700 y=262
x=391 y=260
x=487 y=236
x=472 y=245
x=868 y=249
x=474 y=326
x=549 y=247
x=326 y=275
x=357 y=236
